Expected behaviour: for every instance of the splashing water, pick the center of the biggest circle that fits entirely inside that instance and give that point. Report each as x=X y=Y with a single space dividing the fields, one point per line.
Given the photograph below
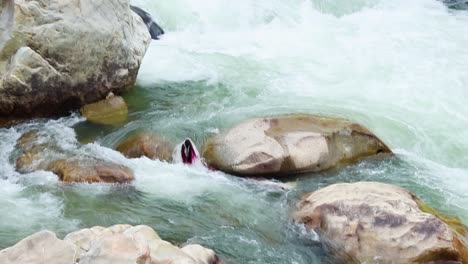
x=398 y=67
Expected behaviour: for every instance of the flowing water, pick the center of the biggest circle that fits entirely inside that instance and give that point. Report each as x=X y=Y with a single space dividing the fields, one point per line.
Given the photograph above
x=399 y=67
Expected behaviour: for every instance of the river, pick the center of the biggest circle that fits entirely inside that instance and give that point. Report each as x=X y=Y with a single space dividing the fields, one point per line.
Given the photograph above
x=398 y=67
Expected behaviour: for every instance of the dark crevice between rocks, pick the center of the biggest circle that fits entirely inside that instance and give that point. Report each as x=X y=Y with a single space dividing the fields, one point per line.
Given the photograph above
x=456 y=4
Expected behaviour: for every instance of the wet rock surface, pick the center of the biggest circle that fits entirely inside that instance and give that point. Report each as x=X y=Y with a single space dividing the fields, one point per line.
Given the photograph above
x=145 y=144
x=111 y=111
x=290 y=144
x=90 y=171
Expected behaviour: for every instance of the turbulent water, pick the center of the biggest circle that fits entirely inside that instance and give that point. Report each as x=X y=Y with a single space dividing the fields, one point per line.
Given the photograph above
x=398 y=67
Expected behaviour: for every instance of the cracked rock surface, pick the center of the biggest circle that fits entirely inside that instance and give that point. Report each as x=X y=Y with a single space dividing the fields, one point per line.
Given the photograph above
x=57 y=55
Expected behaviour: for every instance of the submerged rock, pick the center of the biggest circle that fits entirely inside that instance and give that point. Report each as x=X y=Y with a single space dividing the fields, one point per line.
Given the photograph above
x=32 y=148
x=144 y=144
x=377 y=222
x=89 y=170
x=119 y=244
x=110 y=111
x=290 y=144
x=59 y=55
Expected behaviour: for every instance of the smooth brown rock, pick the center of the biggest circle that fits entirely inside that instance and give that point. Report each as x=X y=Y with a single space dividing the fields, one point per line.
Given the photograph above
x=42 y=247
x=376 y=222
x=88 y=170
x=144 y=144
x=110 y=111
x=57 y=55
x=290 y=144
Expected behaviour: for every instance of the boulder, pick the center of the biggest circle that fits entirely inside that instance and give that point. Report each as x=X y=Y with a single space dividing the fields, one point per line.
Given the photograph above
x=57 y=55
x=201 y=254
x=289 y=144
x=37 y=152
x=7 y=9
x=144 y=144
x=376 y=222
x=110 y=111
x=90 y=171
x=119 y=244
x=42 y=247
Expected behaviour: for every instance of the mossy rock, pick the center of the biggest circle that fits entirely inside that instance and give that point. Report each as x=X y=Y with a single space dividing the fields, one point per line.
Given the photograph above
x=146 y=144
x=111 y=111
x=460 y=230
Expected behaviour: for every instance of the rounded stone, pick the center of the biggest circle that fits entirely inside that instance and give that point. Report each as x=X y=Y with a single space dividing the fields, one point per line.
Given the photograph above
x=371 y=220
x=290 y=144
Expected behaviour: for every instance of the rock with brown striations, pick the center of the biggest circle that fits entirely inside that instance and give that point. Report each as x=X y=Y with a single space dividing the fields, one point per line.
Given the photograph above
x=110 y=111
x=36 y=151
x=145 y=144
x=290 y=144
x=382 y=223
x=119 y=244
x=57 y=55
x=90 y=171
x=42 y=247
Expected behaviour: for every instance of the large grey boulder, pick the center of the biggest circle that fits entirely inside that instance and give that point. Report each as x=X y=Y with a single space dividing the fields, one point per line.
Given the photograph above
x=382 y=223
x=57 y=55
x=289 y=144
x=6 y=20
x=119 y=244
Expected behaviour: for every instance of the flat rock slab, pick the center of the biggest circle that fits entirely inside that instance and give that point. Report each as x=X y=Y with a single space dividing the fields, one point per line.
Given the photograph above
x=290 y=144
x=90 y=171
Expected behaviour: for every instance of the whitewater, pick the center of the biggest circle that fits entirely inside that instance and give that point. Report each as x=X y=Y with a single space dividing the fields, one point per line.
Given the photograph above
x=398 y=67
